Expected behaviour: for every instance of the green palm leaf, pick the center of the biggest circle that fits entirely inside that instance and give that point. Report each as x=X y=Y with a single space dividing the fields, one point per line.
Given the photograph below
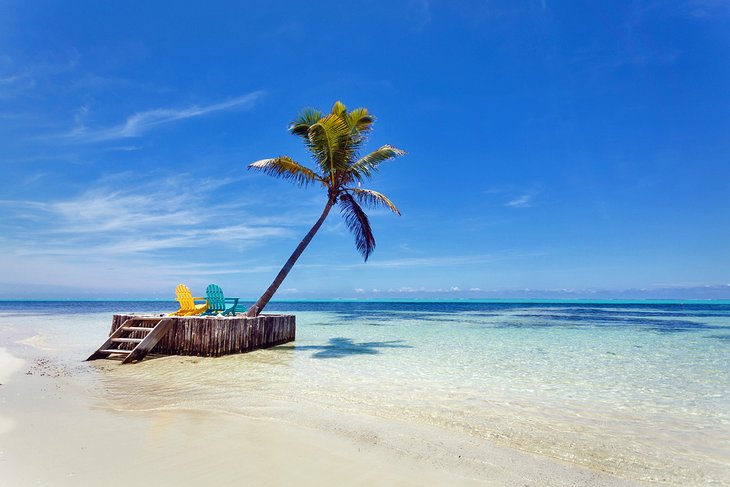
x=372 y=199
x=364 y=167
x=330 y=143
x=357 y=221
x=339 y=108
x=284 y=167
x=308 y=117
x=360 y=121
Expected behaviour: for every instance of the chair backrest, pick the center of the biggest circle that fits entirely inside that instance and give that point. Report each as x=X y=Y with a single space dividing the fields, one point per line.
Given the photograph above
x=214 y=295
x=184 y=297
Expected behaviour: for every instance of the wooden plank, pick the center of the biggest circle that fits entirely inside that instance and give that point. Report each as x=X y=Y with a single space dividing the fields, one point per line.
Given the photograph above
x=116 y=334
x=148 y=343
x=208 y=336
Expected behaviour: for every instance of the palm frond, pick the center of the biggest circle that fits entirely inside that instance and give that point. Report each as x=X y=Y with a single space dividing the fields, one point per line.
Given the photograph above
x=307 y=118
x=365 y=166
x=284 y=167
x=357 y=221
x=339 y=108
x=372 y=199
x=360 y=121
x=330 y=143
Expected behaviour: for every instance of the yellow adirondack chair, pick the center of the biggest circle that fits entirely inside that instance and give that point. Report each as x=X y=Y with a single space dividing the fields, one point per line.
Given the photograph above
x=187 y=302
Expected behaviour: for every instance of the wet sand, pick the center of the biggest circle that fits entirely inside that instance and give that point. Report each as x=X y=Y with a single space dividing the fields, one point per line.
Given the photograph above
x=55 y=432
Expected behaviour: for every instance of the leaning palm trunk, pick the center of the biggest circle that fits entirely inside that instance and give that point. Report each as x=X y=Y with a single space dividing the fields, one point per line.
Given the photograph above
x=259 y=305
x=334 y=141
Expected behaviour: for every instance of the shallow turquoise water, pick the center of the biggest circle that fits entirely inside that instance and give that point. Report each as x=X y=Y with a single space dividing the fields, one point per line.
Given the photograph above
x=640 y=390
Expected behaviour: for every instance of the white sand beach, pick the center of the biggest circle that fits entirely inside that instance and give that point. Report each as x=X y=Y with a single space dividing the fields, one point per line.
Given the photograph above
x=53 y=432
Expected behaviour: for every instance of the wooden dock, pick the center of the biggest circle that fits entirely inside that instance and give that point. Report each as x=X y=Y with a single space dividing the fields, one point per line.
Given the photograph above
x=134 y=336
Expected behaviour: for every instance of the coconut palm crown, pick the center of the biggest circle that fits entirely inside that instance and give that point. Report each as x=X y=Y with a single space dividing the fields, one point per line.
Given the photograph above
x=334 y=141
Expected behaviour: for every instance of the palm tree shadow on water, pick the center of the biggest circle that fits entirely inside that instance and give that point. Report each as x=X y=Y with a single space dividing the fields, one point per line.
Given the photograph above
x=342 y=347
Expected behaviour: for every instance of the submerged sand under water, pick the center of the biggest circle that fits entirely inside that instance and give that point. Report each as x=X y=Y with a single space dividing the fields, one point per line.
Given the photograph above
x=474 y=395
x=58 y=434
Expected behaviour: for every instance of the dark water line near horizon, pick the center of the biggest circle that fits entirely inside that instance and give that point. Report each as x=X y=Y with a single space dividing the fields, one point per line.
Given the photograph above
x=577 y=301
x=284 y=303
x=705 y=308
x=663 y=317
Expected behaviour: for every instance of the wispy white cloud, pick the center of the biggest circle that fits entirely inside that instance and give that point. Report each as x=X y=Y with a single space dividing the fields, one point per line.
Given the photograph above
x=12 y=79
x=113 y=222
x=99 y=275
x=16 y=83
x=140 y=235
x=123 y=148
x=18 y=79
x=418 y=290
x=440 y=261
x=139 y=123
x=522 y=201
x=515 y=197
x=93 y=81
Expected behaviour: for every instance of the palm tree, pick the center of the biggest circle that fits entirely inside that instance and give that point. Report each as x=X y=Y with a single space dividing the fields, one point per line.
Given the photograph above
x=334 y=141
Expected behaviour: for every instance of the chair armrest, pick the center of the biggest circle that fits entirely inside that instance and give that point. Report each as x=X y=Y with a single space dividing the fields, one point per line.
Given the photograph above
x=234 y=304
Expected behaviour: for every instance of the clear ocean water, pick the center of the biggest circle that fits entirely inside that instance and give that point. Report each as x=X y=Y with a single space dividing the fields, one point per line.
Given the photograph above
x=641 y=390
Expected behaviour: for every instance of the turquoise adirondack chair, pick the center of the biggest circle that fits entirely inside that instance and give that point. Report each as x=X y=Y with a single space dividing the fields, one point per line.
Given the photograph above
x=217 y=303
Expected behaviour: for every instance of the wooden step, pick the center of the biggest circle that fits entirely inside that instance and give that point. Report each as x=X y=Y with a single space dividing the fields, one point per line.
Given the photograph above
x=142 y=346
x=148 y=343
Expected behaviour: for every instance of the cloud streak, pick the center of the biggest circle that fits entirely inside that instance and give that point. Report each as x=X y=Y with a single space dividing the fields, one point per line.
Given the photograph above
x=516 y=197
x=440 y=261
x=151 y=218
x=522 y=201
x=139 y=123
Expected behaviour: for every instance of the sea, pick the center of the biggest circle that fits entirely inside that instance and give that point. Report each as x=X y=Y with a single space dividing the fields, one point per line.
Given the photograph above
x=637 y=389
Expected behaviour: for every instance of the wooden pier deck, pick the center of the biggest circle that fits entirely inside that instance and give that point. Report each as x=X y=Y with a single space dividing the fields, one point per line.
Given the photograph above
x=134 y=336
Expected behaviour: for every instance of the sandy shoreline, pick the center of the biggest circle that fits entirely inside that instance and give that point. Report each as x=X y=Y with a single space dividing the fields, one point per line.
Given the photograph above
x=54 y=432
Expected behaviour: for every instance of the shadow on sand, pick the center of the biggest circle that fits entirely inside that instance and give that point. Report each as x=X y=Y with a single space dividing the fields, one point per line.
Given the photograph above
x=343 y=347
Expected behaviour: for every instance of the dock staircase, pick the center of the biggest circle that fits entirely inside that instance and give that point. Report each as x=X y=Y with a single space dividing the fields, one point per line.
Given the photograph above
x=134 y=339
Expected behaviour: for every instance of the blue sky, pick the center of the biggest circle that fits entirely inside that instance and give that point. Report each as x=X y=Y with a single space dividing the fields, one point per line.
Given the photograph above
x=555 y=149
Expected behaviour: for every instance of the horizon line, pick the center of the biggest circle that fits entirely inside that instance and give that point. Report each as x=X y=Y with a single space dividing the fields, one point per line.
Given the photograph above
x=399 y=300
